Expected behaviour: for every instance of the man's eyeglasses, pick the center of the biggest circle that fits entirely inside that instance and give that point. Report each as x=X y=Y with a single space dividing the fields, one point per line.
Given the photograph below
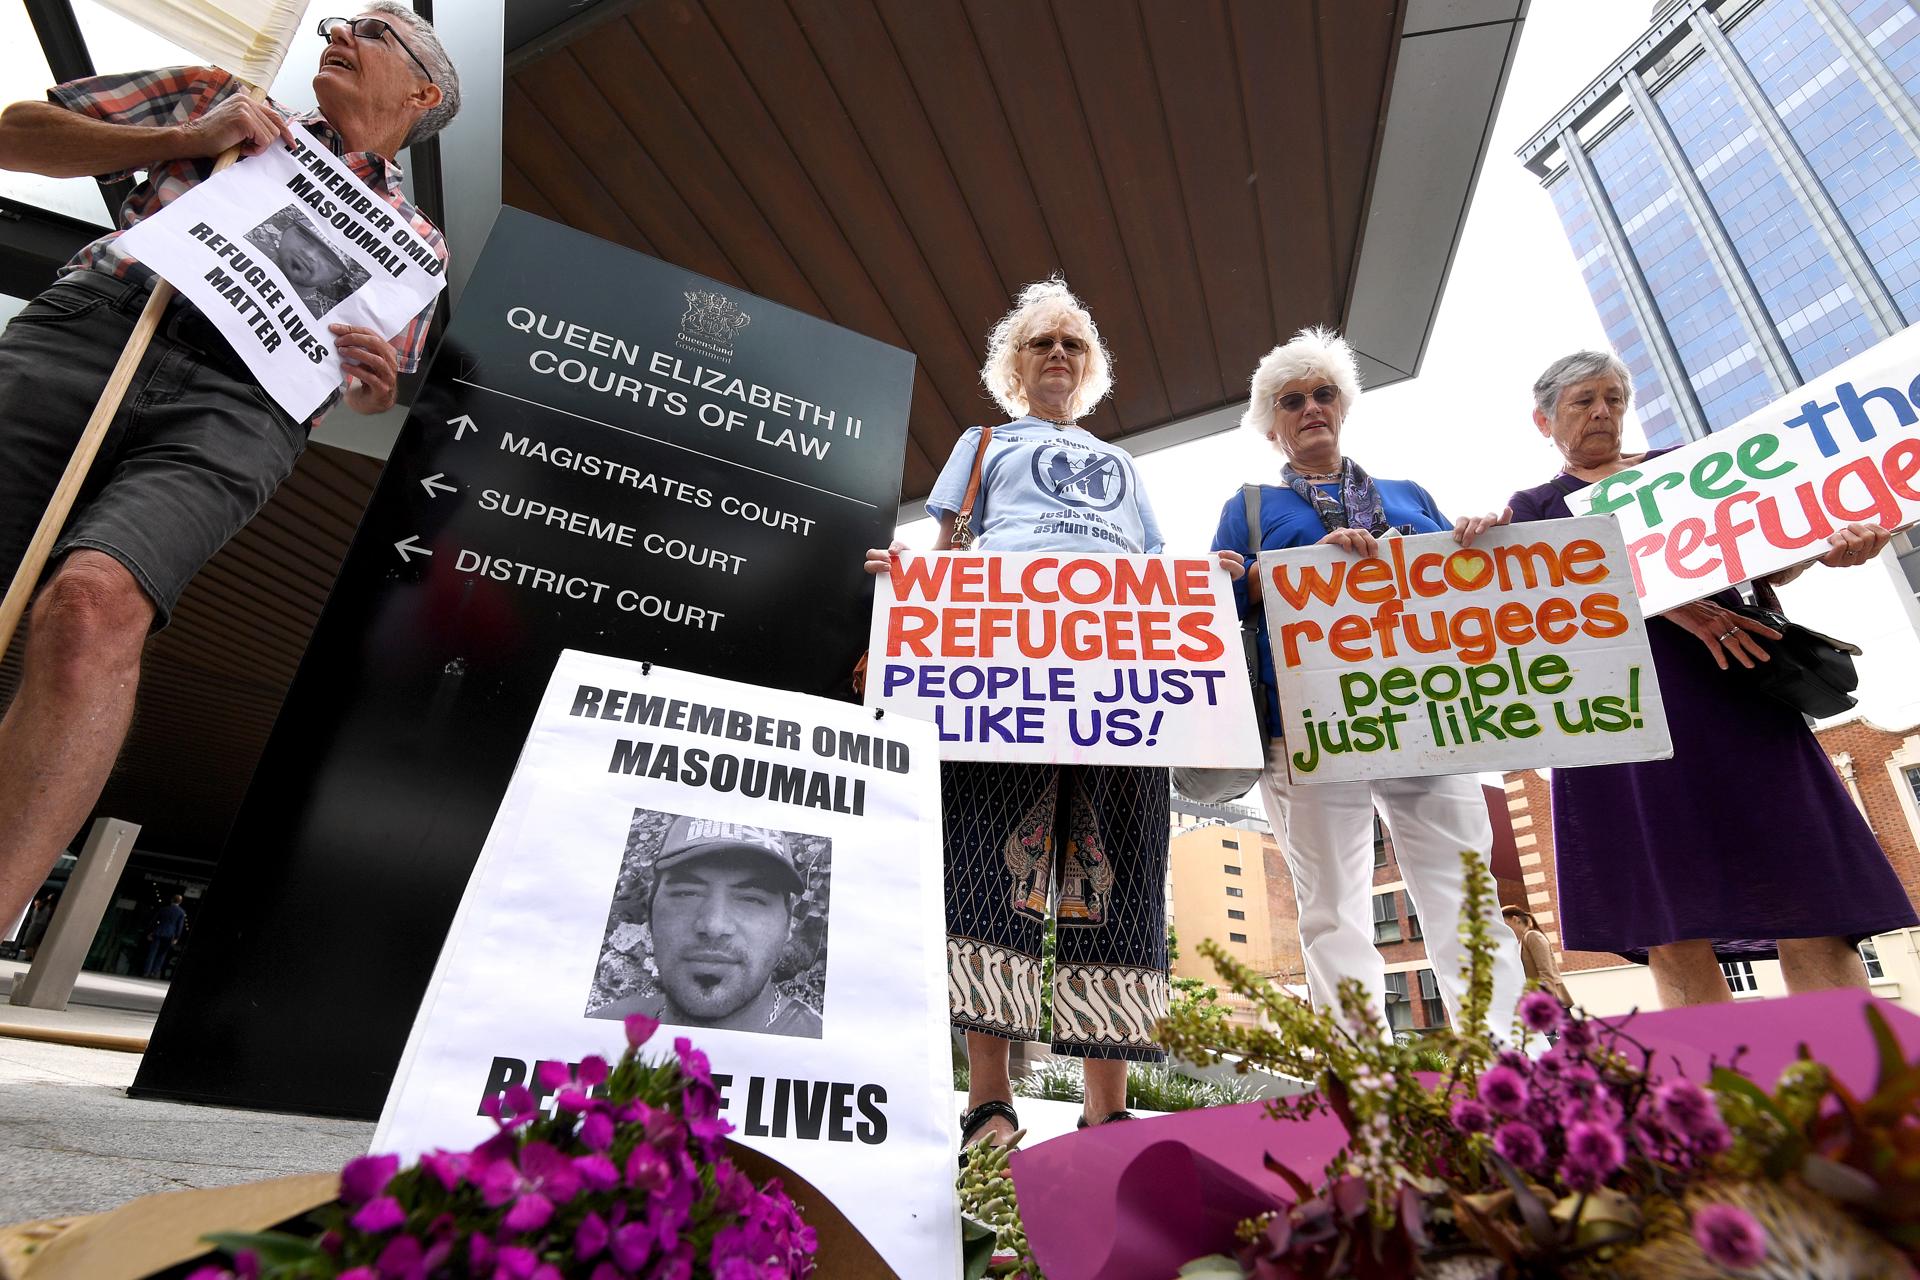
x=1072 y=346
x=373 y=29
x=1295 y=401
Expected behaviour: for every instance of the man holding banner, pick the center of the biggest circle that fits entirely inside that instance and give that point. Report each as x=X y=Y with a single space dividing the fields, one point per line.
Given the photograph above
x=197 y=447
x=1660 y=860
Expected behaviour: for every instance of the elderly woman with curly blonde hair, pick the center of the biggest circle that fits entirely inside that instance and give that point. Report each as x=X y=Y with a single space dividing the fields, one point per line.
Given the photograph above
x=1301 y=395
x=1090 y=840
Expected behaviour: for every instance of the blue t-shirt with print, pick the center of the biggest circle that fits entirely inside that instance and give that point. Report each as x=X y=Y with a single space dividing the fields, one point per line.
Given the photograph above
x=1048 y=488
x=1288 y=520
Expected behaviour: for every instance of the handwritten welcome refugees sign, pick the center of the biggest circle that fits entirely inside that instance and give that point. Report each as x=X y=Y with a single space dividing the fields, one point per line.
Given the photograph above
x=1065 y=658
x=282 y=245
x=758 y=869
x=1525 y=650
x=1768 y=492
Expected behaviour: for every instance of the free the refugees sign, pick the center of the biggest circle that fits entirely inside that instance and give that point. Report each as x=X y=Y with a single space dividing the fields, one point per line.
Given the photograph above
x=1072 y=658
x=1525 y=650
x=279 y=247
x=758 y=869
x=1768 y=492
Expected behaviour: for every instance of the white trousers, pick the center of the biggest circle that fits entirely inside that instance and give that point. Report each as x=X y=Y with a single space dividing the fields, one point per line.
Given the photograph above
x=1326 y=832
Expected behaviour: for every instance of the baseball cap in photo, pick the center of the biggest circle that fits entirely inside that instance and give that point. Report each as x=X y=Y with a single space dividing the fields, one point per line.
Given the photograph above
x=689 y=839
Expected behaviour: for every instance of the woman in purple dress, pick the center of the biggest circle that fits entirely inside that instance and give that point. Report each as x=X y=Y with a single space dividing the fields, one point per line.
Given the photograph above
x=1744 y=845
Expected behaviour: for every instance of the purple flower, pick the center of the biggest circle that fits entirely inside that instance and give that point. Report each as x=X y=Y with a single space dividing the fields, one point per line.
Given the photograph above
x=597 y=1172
x=382 y=1213
x=630 y=1245
x=366 y=1177
x=693 y=1063
x=1504 y=1090
x=543 y=1177
x=646 y=1171
x=640 y=1029
x=1471 y=1116
x=1580 y=1177
x=1685 y=1106
x=1712 y=1139
x=360 y=1273
x=570 y=1102
x=1576 y=1034
x=1595 y=1147
x=596 y=1131
x=515 y=1263
x=480 y=1253
x=1540 y=1012
x=1520 y=1143
x=591 y=1236
x=400 y=1260
x=552 y=1075
x=447 y=1167
x=1729 y=1236
x=593 y=1071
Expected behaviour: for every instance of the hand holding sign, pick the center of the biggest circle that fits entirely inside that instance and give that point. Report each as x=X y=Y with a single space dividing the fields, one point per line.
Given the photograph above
x=371 y=365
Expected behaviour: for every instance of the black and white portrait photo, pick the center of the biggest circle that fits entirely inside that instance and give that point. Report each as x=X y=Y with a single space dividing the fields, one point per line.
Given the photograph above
x=715 y=924
x=321 y=275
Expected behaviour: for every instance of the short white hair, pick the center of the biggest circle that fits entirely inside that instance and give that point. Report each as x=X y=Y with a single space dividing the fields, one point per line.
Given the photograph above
x=1578 y=367
x=426 y=45
x=1039 y=306
x=1312 y=352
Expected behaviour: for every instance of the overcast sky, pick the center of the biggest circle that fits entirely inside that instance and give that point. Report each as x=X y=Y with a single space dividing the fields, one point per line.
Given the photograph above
x=1514 y=303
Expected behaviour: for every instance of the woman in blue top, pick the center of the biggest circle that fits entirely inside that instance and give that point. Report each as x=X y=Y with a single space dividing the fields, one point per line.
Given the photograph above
x=1090 y=838
x=1301 y=395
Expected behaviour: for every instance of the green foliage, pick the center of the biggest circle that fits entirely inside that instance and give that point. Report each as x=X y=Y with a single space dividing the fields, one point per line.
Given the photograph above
x=987 y=1201
x=1046 y=983
x=1150 y=1087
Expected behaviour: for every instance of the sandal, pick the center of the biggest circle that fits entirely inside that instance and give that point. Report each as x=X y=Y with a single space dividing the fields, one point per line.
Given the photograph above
x=972 y=1121
x=1118 y=1115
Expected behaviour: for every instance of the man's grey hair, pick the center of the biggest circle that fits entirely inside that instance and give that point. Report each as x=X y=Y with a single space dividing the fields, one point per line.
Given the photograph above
x=1311 y=353
x=1578 y=367
x=1042 y=304
x=425 y=42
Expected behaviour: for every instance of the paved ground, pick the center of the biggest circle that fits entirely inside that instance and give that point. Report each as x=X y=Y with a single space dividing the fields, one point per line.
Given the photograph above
x=71 y=1141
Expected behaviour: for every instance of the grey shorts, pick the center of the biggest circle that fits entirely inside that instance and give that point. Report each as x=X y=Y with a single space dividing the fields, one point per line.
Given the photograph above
x=196 y=449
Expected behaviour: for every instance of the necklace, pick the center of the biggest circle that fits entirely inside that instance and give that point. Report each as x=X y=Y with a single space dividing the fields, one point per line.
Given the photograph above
x=1055 y=423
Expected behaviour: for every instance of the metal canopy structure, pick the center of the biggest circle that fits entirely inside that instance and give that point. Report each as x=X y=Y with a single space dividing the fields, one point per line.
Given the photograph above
x=1210 y=174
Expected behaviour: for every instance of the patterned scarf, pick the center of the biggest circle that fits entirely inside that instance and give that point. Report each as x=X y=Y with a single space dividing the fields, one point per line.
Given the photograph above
x=1357 y=507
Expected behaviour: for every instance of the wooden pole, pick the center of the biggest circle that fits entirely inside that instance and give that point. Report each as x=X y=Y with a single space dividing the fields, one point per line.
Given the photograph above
x=20 y=592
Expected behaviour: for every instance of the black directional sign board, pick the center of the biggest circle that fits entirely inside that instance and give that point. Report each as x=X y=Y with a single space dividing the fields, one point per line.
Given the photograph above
x=609 y=454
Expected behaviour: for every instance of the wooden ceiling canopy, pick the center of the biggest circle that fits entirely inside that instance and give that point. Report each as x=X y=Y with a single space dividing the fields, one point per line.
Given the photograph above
x=1199 y=171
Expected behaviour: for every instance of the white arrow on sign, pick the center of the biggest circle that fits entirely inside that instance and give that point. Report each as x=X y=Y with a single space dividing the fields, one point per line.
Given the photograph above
x=432 y=484
x=461 y=425
x=409 y=547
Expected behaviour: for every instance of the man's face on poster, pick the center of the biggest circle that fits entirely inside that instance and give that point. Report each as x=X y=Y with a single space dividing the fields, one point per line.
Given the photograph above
x=307 y=262
x=719 y=926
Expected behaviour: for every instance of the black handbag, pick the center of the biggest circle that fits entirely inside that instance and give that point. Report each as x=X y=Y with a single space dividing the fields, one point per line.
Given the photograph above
x=1217 y=786
x=1807 y=670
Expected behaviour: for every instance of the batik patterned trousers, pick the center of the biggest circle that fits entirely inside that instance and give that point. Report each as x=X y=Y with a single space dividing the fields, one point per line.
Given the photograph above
x=1089 y=841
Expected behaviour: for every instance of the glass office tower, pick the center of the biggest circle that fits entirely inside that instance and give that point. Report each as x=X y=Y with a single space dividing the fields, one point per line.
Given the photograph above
x=1742 y=190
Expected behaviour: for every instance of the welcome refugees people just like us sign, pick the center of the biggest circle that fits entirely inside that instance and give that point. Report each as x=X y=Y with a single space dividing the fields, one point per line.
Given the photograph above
x=760 y=870
x=1523 y=651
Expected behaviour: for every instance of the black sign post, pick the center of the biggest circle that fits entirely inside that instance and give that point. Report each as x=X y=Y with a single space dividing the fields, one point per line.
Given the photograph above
x=609 y=454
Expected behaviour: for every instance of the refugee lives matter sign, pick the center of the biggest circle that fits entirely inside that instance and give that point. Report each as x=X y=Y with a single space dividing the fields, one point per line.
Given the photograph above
x=585 y=467
x=1768 y=492
x=671 y=841
x=1526 y=650
x=282 y=245
x=1063 y=658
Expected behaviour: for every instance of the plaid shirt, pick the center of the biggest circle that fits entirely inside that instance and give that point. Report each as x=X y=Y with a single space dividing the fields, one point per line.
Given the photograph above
x=175 y=95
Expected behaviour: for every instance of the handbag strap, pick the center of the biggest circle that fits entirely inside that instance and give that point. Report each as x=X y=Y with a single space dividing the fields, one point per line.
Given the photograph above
x=963 y=525
x=1250 y=498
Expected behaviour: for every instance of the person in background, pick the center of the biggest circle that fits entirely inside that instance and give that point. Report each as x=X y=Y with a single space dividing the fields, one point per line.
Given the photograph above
x=1092 y=840
x=1660 y=861
x=169 y=927
x=1536 y=955
x=1301 y=395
